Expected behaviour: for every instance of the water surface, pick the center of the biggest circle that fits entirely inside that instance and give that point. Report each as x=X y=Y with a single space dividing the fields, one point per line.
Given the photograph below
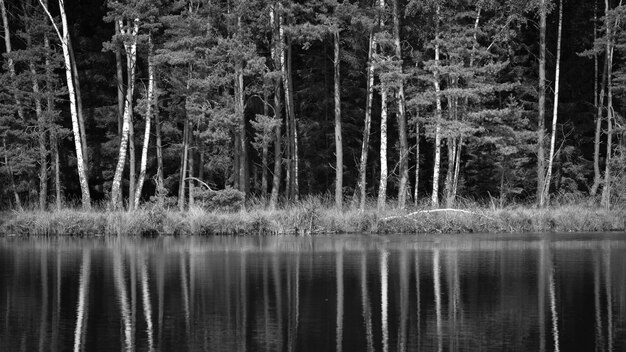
x=321 y=293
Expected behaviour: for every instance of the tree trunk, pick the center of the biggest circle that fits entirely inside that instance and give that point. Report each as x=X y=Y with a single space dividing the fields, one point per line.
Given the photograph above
x=401 y=115
x=146 y=135
x=131 y=58
x=606 y=187
x=183 y=169
x=368 y=122
x=451 y=144
x=64 y=38
x=41 y=132
x=542 y=101
x=338 y=142
x=294 y=125
x=546 y=193
x=244 y=174
x=54 y=143
x=597 y=103
x=119 y=74
x=244 y=183
x=191 y=161
x=265 y=150
x=382 y=186
x=10 y=63
x=79 y=108
x=18 y=203
x=435 y=192
x=457 y=167
x=131 y=141
x=417 y=163
x=159 y=144
x=276 y=56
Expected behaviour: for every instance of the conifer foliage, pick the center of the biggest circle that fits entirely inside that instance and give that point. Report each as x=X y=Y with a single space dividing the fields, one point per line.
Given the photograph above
x=436 y=100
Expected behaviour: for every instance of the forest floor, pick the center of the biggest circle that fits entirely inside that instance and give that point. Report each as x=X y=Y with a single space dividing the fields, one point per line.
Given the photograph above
x=312 y=217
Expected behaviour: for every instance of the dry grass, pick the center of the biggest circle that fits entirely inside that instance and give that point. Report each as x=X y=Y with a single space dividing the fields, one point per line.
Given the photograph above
x=311 y=216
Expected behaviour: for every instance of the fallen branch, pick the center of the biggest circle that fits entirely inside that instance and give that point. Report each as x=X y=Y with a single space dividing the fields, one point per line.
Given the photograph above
x=435 y=211
x=199 y=181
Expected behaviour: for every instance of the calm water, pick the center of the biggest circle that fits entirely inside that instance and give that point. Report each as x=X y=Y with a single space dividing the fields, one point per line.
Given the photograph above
x=343 y=293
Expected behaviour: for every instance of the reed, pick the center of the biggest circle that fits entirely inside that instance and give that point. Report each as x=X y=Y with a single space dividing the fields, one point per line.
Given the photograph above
x=313 y=215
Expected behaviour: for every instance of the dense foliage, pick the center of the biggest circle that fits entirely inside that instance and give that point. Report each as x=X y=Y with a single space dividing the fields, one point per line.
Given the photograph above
x=279 y=99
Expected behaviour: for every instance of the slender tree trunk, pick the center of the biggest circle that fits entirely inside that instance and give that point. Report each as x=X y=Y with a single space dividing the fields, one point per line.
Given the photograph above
x=294 y=125
x=435 y=192
x=131 y=141
x=606 y=187
x=276 y=56
x=368 y=122
x=278 y=158
x=244 y=174
x=41 y=131
x=159 y=143
x=54 y=143
x=131 y=57
x=265 y=151
x=146 y=135
x=10 y=63
x=191 y=162
x=18 y=203
x=401 y=115
x=417 y=163
x=457 y=167
x=546 y=193
x=236 y=159
x=183 y=169
x=338 y=142
x=64 y=38
x=382 y=187
x=542 y=101
x=597 y=176
x=119 y=74
x=79 y=108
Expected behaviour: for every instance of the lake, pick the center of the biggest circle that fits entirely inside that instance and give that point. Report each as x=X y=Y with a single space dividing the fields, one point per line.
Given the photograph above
x=543 y=292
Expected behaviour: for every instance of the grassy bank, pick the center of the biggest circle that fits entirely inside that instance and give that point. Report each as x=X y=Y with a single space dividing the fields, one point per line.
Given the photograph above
x=311 y=217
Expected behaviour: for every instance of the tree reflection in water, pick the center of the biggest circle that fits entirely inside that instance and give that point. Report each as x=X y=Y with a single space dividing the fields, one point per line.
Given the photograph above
x=343 y=293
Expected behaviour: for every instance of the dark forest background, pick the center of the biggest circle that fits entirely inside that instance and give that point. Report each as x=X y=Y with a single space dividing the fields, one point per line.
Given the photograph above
x=226 y=81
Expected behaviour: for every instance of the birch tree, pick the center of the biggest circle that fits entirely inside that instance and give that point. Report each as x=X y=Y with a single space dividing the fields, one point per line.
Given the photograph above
x=64 y=39
x=546 y=191
x=129 y=29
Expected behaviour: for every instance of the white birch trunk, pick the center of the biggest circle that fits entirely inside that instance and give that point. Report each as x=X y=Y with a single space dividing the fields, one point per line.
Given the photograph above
x=382 y=187
x=401 y=115
x=368 y=122
x=146 y=135
x=546 y=193
x=131 y=53
x=64 y=38
x=437 y=162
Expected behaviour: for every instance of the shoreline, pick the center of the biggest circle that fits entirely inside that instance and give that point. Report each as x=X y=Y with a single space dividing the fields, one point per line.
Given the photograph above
x=306 y=220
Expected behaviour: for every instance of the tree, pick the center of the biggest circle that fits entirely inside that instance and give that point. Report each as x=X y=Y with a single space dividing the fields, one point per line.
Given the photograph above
x=64 y=39
x=546 y=190
x=543 y=10
x=129 y=30
x=401 y=114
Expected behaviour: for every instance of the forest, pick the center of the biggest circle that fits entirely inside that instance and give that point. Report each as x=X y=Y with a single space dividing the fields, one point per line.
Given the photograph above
x=392 y=102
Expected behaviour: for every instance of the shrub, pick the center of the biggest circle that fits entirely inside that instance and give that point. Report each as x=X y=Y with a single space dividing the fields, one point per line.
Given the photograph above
x=225 y=200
